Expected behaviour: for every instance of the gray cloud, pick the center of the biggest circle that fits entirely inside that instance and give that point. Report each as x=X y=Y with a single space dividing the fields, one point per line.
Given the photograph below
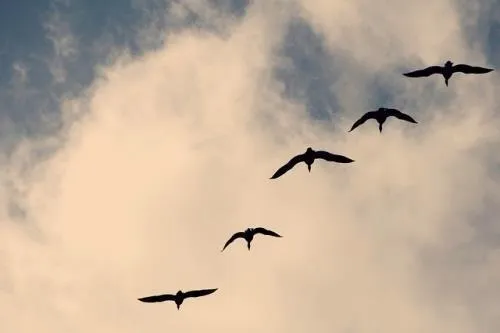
x=65 y=45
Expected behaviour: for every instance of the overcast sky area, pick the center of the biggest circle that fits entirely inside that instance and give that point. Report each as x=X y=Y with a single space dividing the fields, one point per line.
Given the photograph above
x=137 y=136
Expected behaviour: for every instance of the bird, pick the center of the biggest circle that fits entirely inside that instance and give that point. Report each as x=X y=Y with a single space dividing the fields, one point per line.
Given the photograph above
x=447 y=70
x=248 y=235
x=177 y=298
x=308 y=158
x=381 y=116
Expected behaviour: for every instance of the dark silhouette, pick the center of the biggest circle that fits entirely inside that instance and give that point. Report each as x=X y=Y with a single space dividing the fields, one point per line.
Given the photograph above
x=177 y=298
x=308 y=158
x=248 y=235
x=381 y=116
x=447 y=71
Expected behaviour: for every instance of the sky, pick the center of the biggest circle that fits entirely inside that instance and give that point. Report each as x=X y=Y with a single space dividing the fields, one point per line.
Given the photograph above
x=138 y=136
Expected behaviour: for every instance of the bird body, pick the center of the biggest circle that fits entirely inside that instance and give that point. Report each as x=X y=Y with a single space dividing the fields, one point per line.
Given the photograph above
x=447 y=70
x=381 y=116
x=178 y=298
x=249 y=234
x=308 y=158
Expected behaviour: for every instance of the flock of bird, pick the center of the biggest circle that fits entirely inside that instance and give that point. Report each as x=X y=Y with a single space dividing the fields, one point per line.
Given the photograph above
x=310 y=155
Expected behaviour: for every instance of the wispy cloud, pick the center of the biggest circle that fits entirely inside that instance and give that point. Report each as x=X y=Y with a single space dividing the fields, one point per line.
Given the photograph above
x=174 y=152
x=64 y=42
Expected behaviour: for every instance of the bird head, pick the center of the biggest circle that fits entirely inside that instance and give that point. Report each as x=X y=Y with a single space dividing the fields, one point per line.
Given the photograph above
x=309 y=150
x=448 y=63
x=179 y=293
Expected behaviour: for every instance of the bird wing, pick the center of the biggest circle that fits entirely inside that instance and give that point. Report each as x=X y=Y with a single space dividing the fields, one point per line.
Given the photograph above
x=265 y=231
x=324 y=155
x=233 y=237
x=157 y=298
x=400 y=115
x=466 y=69
x=288 y=166
x=363 y=119
x=425 y=72
x=198 y=293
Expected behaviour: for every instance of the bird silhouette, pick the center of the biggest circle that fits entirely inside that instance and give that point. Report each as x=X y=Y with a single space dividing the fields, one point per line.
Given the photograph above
x=381 y=116
x=248 y=235
x=177 y=298
x=447 y=70
x=308 y=158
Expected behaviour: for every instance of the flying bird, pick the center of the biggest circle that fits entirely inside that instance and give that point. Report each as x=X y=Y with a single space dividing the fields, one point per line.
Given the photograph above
x=308 y=158
x=447 y=71
x=381 y=116
x=249 y=234
x=177 y=298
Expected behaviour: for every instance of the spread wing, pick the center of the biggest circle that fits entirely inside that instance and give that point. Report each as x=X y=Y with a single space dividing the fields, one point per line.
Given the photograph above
x=324 y=155
x=157 y=298
x=425 y=72
x=363 y=119
x=466 y=69
x=288 y=166
x=233 y=237
x=400 y=115
x=198 y=293
x=264 y=231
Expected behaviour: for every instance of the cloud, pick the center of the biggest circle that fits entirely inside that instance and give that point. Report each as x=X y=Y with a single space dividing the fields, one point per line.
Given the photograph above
x=173 y=155
x=64 y=43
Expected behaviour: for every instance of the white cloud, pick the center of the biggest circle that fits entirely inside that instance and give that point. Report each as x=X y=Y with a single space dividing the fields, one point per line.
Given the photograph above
x=175 y=155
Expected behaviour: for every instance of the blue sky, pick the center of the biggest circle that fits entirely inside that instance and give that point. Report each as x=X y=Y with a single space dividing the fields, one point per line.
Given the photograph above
x=142 y=132
x=24 y=39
